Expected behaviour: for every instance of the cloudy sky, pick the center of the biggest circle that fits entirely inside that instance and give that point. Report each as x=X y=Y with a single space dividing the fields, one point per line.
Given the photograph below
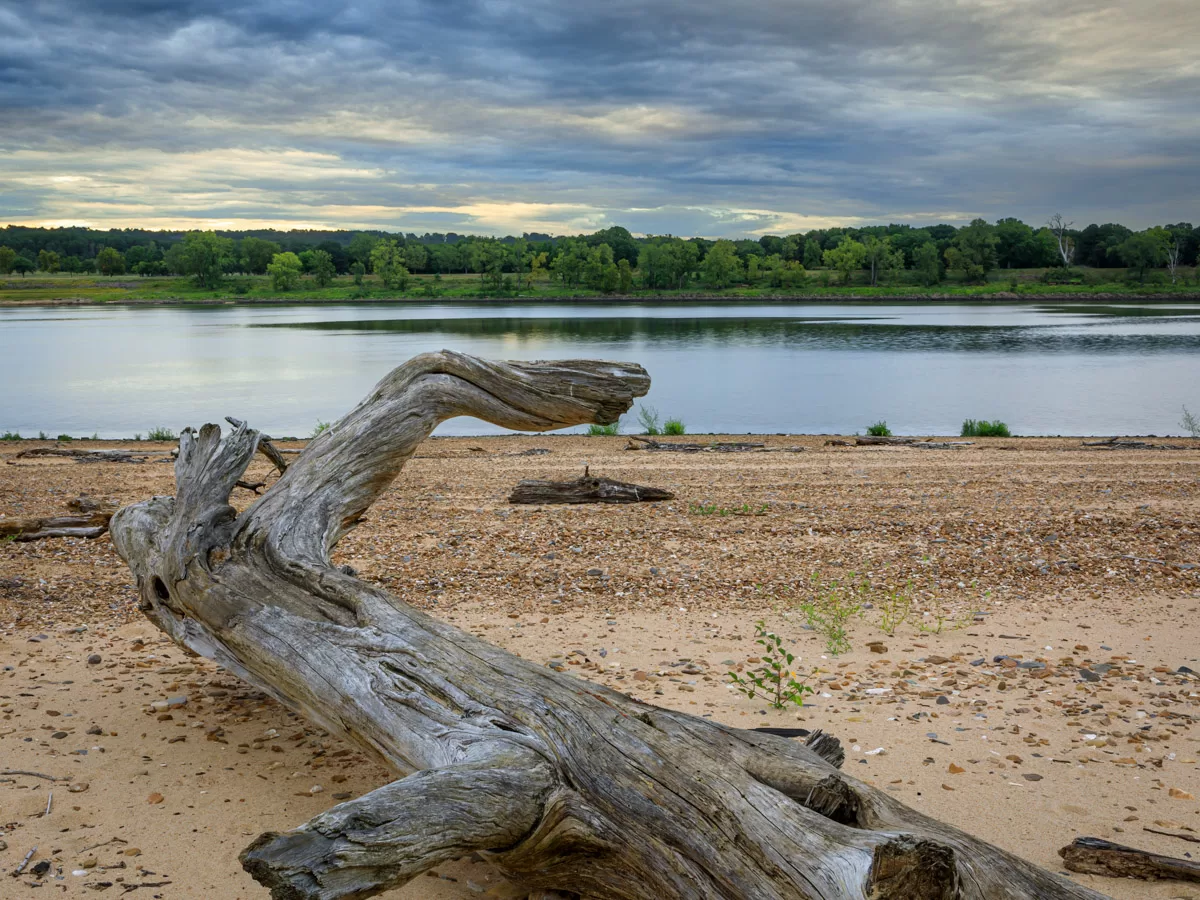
x=496 y=116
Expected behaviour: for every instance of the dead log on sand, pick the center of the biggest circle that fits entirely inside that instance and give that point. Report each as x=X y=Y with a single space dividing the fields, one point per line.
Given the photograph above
x=562 y=784
x=1129 y=444
x=91 y=522
x=681 y=447
x=585 y=489
x=1095 y=856
x=125 y=456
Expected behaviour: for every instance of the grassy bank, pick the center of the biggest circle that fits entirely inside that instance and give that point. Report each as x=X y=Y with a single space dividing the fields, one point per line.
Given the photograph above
x=1023 y=284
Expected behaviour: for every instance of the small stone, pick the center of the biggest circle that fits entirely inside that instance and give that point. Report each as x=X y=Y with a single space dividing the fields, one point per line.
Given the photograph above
x=41 y=868
x=955 y=770
x=1031 y=776
x=341 y=795
x=90 y=863
x=95 y=729
x=595 y=572
x=978 y=662
x=133 y=851
x=176 y=702
x=1089 y=675
x=59 y=735
x=316 y=789
x=95 y=659
x=1177 y=794
x=943 y=700
x=155 y=798
x=877 y=647
x=78 y=787
x=946 y=787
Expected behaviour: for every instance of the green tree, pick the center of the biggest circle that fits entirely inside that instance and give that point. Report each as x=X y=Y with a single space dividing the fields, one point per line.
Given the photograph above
x=600 y=273
x=7 y=257
x=974 y=251
x=258 y=254
x=721 y=267
x=202 y=255
x=752 y=266
x=416 y=258
x=322 y=268
x=1144 y=250
x=681 y=259
x=109 y=261
x=360 y=247
x=358 y=270
x=812 y=254
x=625 y=275
x=847 y=257
x=48 y=261
x=387 y=260
x=879 y=257
x=927 y=263
x=569 y=263
x=22 y=265
x=285 y=270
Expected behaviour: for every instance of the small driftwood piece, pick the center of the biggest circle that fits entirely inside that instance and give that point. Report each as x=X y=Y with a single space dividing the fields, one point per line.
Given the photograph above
x=681 y=447
x=91 y=522
x=1095 y=856
x=1128 y=444
x=872 y=440
x=563 y=784
x=587 y=488
x=941 y=445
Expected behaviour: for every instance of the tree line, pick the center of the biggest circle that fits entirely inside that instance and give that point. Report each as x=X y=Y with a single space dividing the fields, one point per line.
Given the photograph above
x=612 y=259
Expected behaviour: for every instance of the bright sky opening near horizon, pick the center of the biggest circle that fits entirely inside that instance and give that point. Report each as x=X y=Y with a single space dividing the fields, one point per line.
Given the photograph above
x=708 y=117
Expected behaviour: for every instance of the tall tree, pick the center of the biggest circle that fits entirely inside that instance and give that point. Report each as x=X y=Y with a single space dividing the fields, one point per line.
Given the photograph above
x=203 y=255
x=48 y=261
x=812 y=254
x=109 y=261
x=974 y=251
x=879 y=257
x=1142 y=251
x=721 y=266
x=7 y=257
x=387 y=261
x=848 y=256
x=360 y=247
x=258 y=254
x=322 y=268
x=927 y=263
x=1062 y=238
x=285 y=270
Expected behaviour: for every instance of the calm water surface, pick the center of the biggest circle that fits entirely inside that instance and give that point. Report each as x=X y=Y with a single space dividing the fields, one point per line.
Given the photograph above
x=720 y=367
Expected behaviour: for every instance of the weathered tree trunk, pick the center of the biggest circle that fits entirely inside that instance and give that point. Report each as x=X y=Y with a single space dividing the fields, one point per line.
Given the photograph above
x=585 y=489
x=561 y=783
x=84 y=455
x=1095 y=856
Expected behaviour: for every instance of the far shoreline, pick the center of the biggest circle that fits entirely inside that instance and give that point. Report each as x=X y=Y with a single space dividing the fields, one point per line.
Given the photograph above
x=1004 y=297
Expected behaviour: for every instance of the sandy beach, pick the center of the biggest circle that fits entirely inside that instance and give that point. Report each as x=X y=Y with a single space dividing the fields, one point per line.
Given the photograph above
x=1035 y=695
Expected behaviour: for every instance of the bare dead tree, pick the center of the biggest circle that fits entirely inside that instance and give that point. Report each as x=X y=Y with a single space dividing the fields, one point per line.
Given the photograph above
x=1066 y=243
x=561 y=783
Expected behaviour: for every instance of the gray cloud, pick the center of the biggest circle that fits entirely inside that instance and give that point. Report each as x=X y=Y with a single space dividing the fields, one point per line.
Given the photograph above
x=490 y=115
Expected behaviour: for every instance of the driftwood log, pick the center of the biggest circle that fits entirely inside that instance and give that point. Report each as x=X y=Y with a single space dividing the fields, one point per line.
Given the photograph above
x=587 y=488
x=1095 y=856
x=90 y=521
x=562 y=784
x=125 y=456
x=683 y=447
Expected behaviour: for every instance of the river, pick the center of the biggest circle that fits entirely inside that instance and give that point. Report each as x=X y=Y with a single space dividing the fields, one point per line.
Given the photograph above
x=823 y=367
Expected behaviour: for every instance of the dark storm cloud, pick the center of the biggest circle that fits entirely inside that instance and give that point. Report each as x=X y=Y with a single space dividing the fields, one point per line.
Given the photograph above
x=700 y=117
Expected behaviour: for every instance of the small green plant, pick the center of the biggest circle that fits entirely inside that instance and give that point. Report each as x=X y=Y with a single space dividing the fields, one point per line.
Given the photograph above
x=984 y=428
x=940 y=617
x=137 y=437
x=1190 y=423
x=648 y=419
x=895 y=608
x=674 y=427
x=879 y=429
x=42 y=436
x=775 y=679
x=10 y=436
x=65 y=438
x=604 y=430
x=711 y=509
x=831 y=605
x=320 y=428
x=161 y=433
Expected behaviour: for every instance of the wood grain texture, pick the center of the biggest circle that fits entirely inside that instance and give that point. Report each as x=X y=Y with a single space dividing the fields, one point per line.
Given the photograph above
x=585 y=489
x=563 y=784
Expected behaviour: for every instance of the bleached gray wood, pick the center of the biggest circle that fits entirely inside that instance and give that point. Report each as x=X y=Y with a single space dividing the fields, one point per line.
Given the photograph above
x=563 y=784
x=587 y=488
